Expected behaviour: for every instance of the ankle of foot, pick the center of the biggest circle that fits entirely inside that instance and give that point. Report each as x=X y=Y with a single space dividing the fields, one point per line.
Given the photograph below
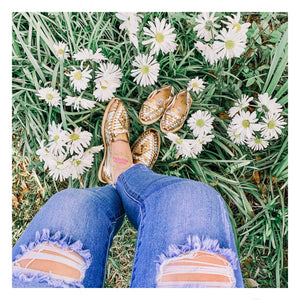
x=120 y=158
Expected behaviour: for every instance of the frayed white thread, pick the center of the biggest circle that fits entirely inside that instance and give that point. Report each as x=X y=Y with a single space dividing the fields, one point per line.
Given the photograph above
x=48 y=241
x=189 y=250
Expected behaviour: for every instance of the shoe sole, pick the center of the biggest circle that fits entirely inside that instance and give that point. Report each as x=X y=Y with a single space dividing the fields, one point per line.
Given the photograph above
x=104 y=139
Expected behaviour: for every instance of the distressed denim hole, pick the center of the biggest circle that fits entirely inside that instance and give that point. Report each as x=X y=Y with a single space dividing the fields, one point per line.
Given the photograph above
x=196 y=269
x=62 y=264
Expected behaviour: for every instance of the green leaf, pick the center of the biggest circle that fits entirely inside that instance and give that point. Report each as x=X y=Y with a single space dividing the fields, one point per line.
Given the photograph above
x=279 y=52
x=250 y=81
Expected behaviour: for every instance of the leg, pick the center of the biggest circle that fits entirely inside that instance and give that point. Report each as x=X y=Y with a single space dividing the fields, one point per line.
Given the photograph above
x=67 y=242
x=185 y=237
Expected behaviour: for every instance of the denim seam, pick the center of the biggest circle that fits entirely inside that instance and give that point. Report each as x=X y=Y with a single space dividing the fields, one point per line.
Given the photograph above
x=107 y=251
x=110 y=213
x=139 y=241
x=139 y=236
x=128 y=191
x=117 y=218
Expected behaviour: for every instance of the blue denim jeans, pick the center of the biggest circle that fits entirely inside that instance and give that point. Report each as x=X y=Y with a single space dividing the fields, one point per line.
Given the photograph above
x=172 y=215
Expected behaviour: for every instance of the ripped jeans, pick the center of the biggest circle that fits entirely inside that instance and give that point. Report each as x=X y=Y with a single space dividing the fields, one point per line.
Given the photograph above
x=184 y=235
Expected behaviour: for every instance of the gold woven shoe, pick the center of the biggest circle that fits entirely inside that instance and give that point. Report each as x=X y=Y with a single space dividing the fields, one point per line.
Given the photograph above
x=153 y=108
x=115 y=127
x=145 y=149
x=176 y=112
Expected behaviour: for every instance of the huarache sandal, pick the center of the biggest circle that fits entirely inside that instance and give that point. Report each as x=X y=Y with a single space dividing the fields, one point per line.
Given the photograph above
x=145 y=149
x=115 y=127
x=153 y=108
x=176 y=112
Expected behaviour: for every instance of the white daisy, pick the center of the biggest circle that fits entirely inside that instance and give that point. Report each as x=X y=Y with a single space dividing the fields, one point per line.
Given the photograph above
x=184 y=147
x=57 y=139
x=268 y=105
x=134 y=40
x=272 y=125
x=79 y=164
x=61 y=169
x=105 y=88
x=84 y=54
x=50 y=95
x=79 y=102
x=162 y=37
x=147 y=70
x=237 y=138
x=200 y=122
x=45 y=155
x=196 y=84
x=234 y=23
x=231 y=44
x=131 y=21
x=201 y=140
x=207 y=27
x=131 y=24
x=239 y=105
x=61 y=50
x=88 y=155
x=257 y=143
x=109 y=70
x=207 y=51
x=204 y=138
x=43 y=151
x=87 y=54
x=245 y=123
x=93 y=150
x=78 y=140
x=80 y=78
x=98 y=56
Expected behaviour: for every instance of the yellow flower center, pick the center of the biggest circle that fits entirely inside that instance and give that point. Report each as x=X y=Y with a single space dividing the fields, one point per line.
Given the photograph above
x=49 y=96
x=195 y=85
x=160 y=37
x=178 y=141
x=55 y=138
x=74 y=136
x=245 y=123
x=76 y=163
x=104 y=87
x=236 y=135
x=257 y=141
x=200 y=123
x=77 y=75
x=229 y=44
x=60 y=51
x=237 y=26
x=272 y=124
x=145 y=69
x=208 y=25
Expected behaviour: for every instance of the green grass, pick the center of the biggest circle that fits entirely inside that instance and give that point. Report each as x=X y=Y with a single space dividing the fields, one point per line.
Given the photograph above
x=253 y=184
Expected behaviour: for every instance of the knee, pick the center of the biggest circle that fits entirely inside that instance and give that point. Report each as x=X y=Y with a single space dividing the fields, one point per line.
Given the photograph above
x=193 y=196
x=72 y=200
x=50 y=259
x=198 y=263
